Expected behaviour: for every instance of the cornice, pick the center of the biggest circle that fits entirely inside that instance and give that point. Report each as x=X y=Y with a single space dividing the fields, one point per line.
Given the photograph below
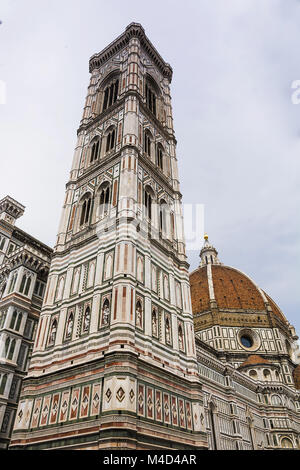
x=133 y=30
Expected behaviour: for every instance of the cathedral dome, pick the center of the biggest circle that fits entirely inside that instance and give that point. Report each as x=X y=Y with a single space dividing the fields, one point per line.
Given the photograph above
x=230 y=294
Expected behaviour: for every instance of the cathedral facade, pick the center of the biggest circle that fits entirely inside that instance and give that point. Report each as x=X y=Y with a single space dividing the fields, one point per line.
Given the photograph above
x=24 y=267
x=132 y=352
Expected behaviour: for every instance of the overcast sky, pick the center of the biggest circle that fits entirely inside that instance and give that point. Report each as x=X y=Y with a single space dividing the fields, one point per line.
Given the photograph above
x=238 y=131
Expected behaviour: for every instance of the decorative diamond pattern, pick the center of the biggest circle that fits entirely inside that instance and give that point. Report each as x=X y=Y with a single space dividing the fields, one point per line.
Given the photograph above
x=108 y=395
x=120 y=394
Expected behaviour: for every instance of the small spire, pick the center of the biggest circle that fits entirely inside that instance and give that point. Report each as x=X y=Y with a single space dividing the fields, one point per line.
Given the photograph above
x=208 y=254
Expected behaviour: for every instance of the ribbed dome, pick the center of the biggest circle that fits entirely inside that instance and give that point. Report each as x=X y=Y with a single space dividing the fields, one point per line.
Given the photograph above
x=230 y=289
x=227 y=292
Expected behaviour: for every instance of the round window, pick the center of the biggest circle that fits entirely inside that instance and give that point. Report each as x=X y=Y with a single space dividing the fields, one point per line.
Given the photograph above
x=246 y=341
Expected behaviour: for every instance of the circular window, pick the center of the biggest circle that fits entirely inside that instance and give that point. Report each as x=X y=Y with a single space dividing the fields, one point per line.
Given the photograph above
x=246 y=341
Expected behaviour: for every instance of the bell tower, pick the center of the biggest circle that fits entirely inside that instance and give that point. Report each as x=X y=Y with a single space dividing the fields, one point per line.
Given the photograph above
x=114 y=362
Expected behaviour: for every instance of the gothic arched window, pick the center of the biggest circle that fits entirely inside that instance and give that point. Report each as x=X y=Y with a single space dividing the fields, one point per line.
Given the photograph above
x=110 y=94
x=19 y=321
x=110 y=140
x=162 y=215
x=95 y=150
x=159 y=156
x=276 y=400
x=13 y=282
x=85 y=210
x=150 y=97
x=13 y=320
x=11 y=349
x=147 y=143
x=104 y=198
x=3 y=384
x=148 y=203
x=27 y=287
x=6 y=348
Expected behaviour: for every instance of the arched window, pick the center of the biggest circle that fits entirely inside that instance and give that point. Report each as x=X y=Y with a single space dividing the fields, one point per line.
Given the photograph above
x=148 y=204
x=276 y=400
x=11 y=349
x=28 y=284
x=253 y=374
x=19 y=321
x=3 y=384
x=86 y=320
x=95 y=150
x=13 y=320
x=163 y=206
x=267 y=374
x=110 y=140
x=159 y=156
x=13 y=282
x=147 y=143
x=23 y=282
x=286 y=443
x=150 y=97
x=105 y=312
x=85 y=210
x=104 y=198
x=110 y=94
x=6 y=349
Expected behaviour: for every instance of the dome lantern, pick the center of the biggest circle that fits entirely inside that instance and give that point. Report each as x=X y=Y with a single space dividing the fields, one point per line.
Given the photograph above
x=208 y=254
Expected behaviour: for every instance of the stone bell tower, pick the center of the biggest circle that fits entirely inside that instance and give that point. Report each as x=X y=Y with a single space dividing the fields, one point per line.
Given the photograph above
x=114 y=363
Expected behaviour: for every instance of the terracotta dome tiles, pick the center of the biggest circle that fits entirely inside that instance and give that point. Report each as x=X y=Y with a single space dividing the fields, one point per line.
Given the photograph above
x=255 y=360
x=199 y=290
x=233 y=290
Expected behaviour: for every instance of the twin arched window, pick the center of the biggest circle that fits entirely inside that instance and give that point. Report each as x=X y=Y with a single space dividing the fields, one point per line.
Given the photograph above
x=85 y=210
x=110 y=140
x=25 y=284
x=150 y=98
x=110 y=95
x=10 y=345
x=95 y=150
x=15 y=321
